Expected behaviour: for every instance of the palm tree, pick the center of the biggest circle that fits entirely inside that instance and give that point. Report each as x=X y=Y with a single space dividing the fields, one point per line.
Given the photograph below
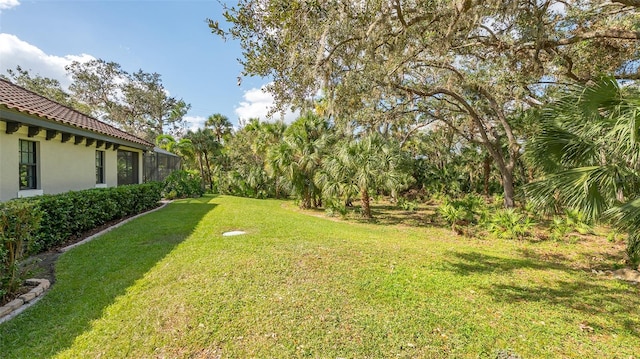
x=298 y=156
x=246 y=152
x=183 y=148
x=364 y=166
x=588 y=149
x=166 y=142
x=220 y=125
x=205 y=148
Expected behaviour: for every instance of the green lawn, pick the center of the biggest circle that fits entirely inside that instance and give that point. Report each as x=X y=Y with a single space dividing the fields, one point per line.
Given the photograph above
x=169 y=285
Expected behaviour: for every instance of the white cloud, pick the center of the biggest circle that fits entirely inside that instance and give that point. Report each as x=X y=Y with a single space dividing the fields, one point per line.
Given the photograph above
x=257 y=104
x=194 y=122
x=8 y=4
x=15 y=52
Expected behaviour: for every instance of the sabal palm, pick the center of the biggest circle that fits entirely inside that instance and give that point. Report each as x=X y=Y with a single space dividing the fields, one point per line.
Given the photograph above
x=220 y=125
x=183 y=148
x=246 y=159
x=588 y=147
x=298 y=156
x=205 y=148
x=363 y=166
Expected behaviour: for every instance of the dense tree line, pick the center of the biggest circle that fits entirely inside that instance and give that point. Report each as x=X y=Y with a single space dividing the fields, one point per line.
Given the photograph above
x=310 y=160
x=472 y=65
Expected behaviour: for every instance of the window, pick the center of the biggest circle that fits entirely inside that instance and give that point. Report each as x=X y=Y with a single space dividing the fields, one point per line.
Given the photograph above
x=100 y=167
x=28 y=165
x=127 y=167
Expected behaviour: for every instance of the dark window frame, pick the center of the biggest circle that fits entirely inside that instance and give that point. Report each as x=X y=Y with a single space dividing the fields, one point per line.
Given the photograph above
x=100 y=173
x=28 y=167
x=128 y=167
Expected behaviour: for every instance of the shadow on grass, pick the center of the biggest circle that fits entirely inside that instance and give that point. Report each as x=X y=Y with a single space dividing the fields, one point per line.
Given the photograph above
x=91 y=277
x=585 y=294
x=478 y=263
x=388 y=215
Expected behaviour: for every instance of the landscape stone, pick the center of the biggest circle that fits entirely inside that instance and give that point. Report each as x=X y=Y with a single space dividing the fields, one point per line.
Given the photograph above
x=32 y=281
x=27 y=297
x=37 y=290
x=4 y=310
x=15 y=304
x=627 y=274
x=45 y=283
x=41 y=286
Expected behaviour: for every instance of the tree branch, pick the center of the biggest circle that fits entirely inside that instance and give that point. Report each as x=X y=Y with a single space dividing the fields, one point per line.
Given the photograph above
x=396 y=5
x=475 y=117
x=340 y=44
x=628 y=76
x=634 y=3
x=413 y=130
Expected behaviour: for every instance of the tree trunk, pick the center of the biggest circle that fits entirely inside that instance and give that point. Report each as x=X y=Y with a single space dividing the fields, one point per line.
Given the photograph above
x=620 y=195
x=204 y=185
x=206 y=158
x=366 y=207
x=509 y=190
x=506 y=171
x=487 y=173
x=306 y=200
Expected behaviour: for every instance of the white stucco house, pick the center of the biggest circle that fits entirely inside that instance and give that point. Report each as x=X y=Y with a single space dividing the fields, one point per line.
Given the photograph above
x=48 y=148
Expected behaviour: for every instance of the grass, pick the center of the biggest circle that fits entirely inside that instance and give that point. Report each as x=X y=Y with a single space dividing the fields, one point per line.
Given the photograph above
x=169 y=285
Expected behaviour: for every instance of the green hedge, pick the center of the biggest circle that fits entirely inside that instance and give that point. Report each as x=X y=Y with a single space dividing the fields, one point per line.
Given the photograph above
x=19 y=222
x=72 y=213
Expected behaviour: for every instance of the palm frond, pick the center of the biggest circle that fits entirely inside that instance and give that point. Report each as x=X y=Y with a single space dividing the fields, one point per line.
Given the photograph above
x=590 y=189
x=627 y=216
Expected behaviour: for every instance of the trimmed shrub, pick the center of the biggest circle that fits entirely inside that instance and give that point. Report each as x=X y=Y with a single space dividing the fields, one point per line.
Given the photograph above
x=19 y=221
x=70 y=214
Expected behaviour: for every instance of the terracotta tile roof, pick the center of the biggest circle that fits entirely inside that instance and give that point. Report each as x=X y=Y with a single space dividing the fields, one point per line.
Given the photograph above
x=23 y=100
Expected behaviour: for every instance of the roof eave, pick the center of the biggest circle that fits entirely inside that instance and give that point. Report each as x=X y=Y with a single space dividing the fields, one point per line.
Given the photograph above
x=7 y=114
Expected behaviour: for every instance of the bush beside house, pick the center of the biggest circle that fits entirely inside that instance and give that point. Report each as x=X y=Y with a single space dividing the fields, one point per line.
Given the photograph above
x=72 y=213
x=19 y=222
x=32 y=225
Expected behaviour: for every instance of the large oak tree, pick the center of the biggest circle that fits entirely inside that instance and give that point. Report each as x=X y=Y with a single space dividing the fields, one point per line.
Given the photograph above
x=473 y=65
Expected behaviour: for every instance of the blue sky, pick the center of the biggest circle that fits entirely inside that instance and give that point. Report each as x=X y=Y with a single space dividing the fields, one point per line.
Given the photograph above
x=168 y=37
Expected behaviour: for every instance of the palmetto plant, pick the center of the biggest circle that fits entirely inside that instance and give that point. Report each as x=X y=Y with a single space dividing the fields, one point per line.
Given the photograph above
x=463 y=213
x=299 y=155
x=589 y=151
x=363 y=166
x=507 y=223
x=456 y=217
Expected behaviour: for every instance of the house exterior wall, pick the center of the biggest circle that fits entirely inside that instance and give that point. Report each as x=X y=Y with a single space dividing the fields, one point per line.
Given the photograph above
x=61 y=166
